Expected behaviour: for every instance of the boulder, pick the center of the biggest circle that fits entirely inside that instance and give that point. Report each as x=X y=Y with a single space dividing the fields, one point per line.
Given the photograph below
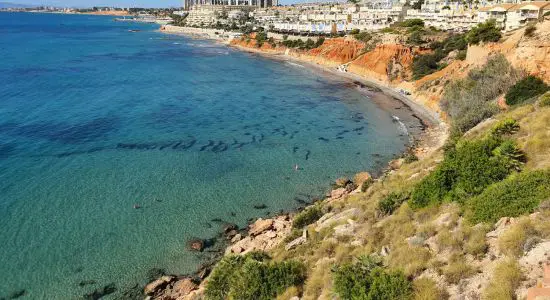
x=298 y=241
x=154 y=286
x=260 y=226
x=196 y=245
x=183 y=287
x=361 y=177
x=345 y=229
x=337 y=193
x=500 y=226
x=342 y=182
x=328 y=221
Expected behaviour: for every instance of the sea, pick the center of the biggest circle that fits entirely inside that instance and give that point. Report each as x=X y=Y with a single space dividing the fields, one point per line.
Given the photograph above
x=119 y=144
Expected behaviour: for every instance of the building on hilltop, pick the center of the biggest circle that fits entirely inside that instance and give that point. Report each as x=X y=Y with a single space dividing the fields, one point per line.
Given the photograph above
x=188 y=4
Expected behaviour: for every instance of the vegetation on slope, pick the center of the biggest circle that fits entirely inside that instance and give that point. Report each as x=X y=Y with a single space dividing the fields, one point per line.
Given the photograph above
x=253 y=276
x=471 y=100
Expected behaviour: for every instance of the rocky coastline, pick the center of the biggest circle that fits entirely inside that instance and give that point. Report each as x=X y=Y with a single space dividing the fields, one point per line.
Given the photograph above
x=265 y=234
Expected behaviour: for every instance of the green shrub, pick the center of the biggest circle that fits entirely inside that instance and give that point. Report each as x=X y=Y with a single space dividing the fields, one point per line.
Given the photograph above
x=461 y=55
x=466 y=170
x=510 y=154
x=391 y=202
x=428 y=63
x=485 y=32
x=517 y=195
x=530 y=30
x=363 y=36
x=261 y=37
x=525 y=89
x=366 y=184
x=253 y=277
x=410 y=157
x=354 y=31
x=367 y=280
x=307 y=216
x=505 y=127
x=412 y=23
x=415 y=38
x=471 y=100
x=219 y=282
x=389 y=286
x=544 y=100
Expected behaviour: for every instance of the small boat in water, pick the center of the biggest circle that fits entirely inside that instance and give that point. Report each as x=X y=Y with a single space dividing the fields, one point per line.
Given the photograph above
x=134 y=30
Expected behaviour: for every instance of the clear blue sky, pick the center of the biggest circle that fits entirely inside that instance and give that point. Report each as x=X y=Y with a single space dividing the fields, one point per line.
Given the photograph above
x=90 y=3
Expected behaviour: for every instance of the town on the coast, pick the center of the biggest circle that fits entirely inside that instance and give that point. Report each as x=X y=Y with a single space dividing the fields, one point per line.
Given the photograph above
x=463 y=213
x=328 y=18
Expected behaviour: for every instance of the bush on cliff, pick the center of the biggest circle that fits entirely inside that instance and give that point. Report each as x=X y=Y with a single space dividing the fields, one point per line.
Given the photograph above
x=253 y=276
x=484 y=32
x=517 y=195
x=467 y=169
x=366 y=279
x=412 y=23
x=527 y=88
x=307 y=216
x=391 y=202
x=471 y=100
x=429 y=63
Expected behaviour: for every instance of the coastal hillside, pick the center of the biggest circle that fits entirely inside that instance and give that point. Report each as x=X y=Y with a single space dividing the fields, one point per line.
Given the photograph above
x=465 y=220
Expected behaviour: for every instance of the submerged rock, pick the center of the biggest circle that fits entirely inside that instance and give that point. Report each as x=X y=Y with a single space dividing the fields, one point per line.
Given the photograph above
x=100 y=293
x=196 y=245
x=17 y=294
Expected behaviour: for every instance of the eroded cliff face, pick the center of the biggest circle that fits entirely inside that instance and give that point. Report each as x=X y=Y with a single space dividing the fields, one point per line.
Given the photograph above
x=390 y=61
x=333 y=52
x=385 y=63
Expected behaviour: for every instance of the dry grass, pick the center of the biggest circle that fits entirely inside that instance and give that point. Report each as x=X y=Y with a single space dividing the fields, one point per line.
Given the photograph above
x=457 y=269
x=411 y=259
x=476 y=244
x=506 y=279
x=426 y=289
x=319 y=280
x=511 y=242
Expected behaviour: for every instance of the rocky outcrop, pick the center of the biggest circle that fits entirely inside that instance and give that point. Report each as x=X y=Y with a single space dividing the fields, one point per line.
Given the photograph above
x=263 y=235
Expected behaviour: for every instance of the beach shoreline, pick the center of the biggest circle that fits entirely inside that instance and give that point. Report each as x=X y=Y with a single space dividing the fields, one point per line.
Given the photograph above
x=266 y=234
x=431 y=137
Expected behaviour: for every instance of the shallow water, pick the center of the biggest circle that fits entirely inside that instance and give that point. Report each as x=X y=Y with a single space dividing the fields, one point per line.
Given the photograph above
x=95 y=119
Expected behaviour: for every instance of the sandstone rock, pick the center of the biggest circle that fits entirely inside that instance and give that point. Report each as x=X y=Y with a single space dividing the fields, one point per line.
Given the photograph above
x=298 y=241
x=337 y=193
x=345 y=229
x=270 y=234
x=342 y=182
x=157 y=284
x=236 y=238
x=260 y=226
x=396 y=163
x=183 y=287
x=500 y=227
x=328 y=221
x=361 y=177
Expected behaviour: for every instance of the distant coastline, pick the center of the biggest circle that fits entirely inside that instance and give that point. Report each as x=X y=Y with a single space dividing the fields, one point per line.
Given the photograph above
x=384 y=95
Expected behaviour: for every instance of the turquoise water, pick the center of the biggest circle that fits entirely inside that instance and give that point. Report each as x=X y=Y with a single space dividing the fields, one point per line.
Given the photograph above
x=95 y=119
